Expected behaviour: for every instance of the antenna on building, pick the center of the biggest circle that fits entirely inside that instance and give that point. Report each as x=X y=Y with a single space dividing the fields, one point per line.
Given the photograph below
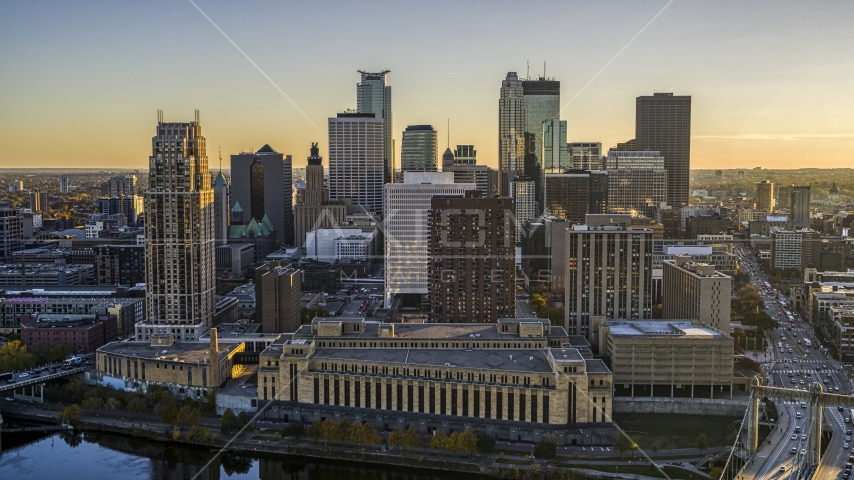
x=197 y=116
x=528 y=75
x=220 y=158
x=449 y=133
x=544 y=69
x=159 y=116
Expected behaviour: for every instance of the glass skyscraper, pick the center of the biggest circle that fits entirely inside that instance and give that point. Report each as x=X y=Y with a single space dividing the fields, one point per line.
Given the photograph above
x=511 y=132
x=418 y=149
x=374 y=96
x=555 y=154
x=542 y=103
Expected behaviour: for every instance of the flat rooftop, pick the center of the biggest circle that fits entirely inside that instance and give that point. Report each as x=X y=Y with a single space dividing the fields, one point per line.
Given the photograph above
x=525 y=361
x=187 y=352
x=662 y=328
x=432 y=331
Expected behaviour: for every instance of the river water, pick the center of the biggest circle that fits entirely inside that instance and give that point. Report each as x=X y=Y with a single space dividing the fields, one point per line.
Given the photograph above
x=90 y=456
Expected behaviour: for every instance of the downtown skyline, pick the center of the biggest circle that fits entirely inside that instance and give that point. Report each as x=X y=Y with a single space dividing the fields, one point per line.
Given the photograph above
x=764 y=94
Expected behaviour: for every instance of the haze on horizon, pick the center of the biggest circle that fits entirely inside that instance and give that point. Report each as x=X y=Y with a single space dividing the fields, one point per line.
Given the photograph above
x=770 y=81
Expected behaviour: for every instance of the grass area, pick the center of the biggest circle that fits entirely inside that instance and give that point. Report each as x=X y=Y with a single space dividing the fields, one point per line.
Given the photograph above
x=676 y=431
x=648 y=470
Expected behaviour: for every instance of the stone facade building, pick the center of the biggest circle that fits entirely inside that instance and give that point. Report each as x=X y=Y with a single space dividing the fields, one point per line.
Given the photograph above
x=514 y=380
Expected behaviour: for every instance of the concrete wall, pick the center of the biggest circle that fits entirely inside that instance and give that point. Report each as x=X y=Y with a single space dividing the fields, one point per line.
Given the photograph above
x=688 y=406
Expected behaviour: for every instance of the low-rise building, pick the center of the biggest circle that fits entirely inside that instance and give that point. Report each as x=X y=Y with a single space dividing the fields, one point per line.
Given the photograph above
x=667 y=358
x=128 y=311
x=515 y=380
x=82 y=333
x=46 y=275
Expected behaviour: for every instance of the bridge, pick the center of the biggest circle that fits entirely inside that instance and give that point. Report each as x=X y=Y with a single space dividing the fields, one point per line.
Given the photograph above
x=746 y=446
x=34 y=382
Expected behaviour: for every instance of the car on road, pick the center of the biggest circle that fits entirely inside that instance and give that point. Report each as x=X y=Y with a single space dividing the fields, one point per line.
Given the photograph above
x=25 y=374
x=803 y=405
x=793 y=450
x=10 y=399
x=794 y=436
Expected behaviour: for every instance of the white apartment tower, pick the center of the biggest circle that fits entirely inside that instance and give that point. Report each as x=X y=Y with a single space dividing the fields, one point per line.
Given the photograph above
x=179 y=234
x=356 y=160
x=696 y=291
x=523 y=192
x=407 y=231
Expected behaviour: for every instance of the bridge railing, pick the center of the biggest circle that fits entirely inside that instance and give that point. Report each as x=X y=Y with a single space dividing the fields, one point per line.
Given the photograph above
x=40 y=379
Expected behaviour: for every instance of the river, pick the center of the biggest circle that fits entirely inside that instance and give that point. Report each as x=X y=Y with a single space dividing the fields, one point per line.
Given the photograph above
x=88 y=456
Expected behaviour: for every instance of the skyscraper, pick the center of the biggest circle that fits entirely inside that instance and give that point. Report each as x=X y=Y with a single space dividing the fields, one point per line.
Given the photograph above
x=270 y=180
x=765 y=196
x=523 y=192
x=636 y=180
x=465 y=155
x=574 y=195
x=122 y=185
x=179 y=234
x=278 y=287
x=511 y=132
x=39 y=201
x=555 y=154
x=356 y=160
x=222 y=209
x=585 y=155
x=63 y=184
x=418 y=149
x=374 y=96
x=800 y=205
x=447 y=159
x=608 y=272
x=663 y=124
x=542 y=103
x=472 y=263
x=407 y=231
x=316 y=211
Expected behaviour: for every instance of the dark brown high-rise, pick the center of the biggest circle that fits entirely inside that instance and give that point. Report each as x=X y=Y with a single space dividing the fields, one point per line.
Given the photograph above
x=663 y=124
x=472 y=267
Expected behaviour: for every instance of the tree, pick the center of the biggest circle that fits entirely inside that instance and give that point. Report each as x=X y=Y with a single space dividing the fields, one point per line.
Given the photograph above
x=716 y=473
x=702 y=443
x=14 y=356
x=57 y=352
x=315 y=430
x=439 y=440
x=654 y=448
x=622 y=443
x=170 y=413
x=137 y=404
x=536 y=302
x=189 y=416
x=200 y=434
x=228 y=422
x=71 y=415
x=370 y=435
x=547 y=448
x=634 y=444
x=465 y=442
x=113 y=403
x=485 y=443
x=92 y=403
x=396 y=438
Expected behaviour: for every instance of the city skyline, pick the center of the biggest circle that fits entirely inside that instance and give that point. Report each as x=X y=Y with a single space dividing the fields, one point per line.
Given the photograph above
x=750 y=107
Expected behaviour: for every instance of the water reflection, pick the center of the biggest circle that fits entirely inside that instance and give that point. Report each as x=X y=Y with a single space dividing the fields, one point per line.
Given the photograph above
x=90 y=456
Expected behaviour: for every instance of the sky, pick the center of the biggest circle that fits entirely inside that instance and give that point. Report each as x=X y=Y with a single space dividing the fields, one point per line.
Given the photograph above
x=80 y=82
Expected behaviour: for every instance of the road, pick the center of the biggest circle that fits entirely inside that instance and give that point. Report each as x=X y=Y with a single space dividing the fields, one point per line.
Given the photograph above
x=791 y=363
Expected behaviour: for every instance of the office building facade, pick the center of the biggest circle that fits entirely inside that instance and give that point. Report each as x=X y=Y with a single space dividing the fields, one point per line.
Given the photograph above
x=523 y=193
x=278 y=287
x=636 y=181
x=585 y=155
x=374 y=96
x=608 y=272
x=542 y=103
x=407 y=229
x=11 y=230
x=511 y=132
x=465 y=155
x=264 y=180
x=696 y=291
x=555 y=155
x=222 y=209
x=573 y=195
x=472 y=262
x=800 y=206
x=356 y=160
x=418 y=149
x=179 y=235
x=765 y=196
x=663 y=124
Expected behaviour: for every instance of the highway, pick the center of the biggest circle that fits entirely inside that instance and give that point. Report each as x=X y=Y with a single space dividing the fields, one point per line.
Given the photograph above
x=791 y=363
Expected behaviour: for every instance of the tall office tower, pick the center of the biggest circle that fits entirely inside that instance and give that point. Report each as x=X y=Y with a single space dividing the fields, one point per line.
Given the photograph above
x=523 y=193
x=573 y=195
x=406 y=231
x=256 y=191
x=542 y=103
x=800 y=205
x=636 y=181
x=783 y=194
x=317 y=211
x=472 y=263
x=696 y=291
x=356 y=160
x=418 y=149
x=179 y=234
x=11 y=230
x=555 y=153
x=278 y=287
x=465 y=155
x=122 y=185
x=63 y=184
x=264 y=179
x=222 y=209
x=765 y=196
x=39 y=201
x=474 y=174
x=608 y=272
x=663 y=124
x=374 y=96
x=585 y=155
x=447 y=160
x=511 y=132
